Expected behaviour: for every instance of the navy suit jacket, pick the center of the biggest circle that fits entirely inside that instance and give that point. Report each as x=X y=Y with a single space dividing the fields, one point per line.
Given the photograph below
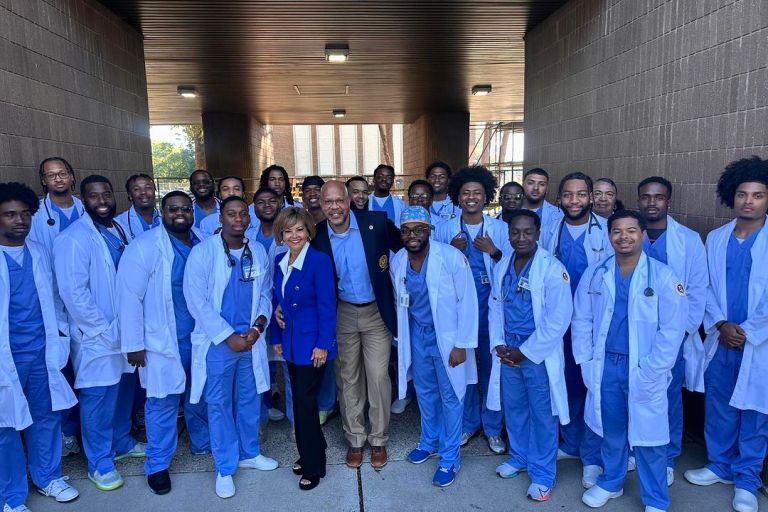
x=380 y=236
x=309 y=308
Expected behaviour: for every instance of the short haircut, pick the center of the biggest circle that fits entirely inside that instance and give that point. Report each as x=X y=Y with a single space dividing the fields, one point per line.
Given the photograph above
x=230 y=199
x=627 y=214
x=746 y=170
x=575 y=176
x=135 y=177
x=172 y=194
x=523 y=212
x=264 y=180
x=511 y=184
x=608 y=181
x=94 y=178
x=210 y=176
x=423 y=183
x=356 y=178
x=66 y=164
x=289 y=217
x=380 y=167
x=475 y=173
x=221 y=180
x=441 y=165
x=536 y=170
x=15 y=191
x=656 y=179
x=264 y=190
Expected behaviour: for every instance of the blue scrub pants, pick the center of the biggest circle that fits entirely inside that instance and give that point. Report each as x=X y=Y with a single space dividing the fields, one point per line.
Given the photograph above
x=675 y=400
x=736 y=439
x=105 y=416
x=234 y=407
x=440 y=408
x=476 y=412
x=160 y=418
x=42 y=438
x=70 y=418
x=577 y=438
x=195 y=415
x=531 y=426
x=651 y=460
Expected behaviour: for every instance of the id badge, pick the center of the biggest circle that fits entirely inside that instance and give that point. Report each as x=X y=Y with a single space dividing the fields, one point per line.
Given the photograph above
x=484 y=279
x=524 y=284
x=404 y=300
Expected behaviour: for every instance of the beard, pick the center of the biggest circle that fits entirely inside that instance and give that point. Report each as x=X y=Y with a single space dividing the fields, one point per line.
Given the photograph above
x=582 y=213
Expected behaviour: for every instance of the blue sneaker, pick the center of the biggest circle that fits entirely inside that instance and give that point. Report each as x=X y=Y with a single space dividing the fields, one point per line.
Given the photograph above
x=444 y=476
x=417 y=455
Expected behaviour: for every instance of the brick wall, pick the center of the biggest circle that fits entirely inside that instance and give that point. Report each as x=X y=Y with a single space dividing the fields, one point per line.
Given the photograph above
x=72 y=83
x=632 y=88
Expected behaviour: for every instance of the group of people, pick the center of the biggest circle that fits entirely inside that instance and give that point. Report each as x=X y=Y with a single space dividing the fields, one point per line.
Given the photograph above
x=573 y=327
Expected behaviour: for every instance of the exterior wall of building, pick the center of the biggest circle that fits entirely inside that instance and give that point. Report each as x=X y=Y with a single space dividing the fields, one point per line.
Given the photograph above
x=628 y=89
x=72 y=84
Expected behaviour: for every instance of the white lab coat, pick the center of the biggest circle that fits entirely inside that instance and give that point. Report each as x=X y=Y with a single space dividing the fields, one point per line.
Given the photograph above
x=145 y=310
x=496 y=229
x=397 y=203
x=453 y=301
x=43 y=233
x=687 y=258
x=205 y=279
x=550 y=215
x=552 y=310
x=14 y=412
x=751 y=391
x=131 y=223
x=656 y=329
x=85 y=274
x=597 y=245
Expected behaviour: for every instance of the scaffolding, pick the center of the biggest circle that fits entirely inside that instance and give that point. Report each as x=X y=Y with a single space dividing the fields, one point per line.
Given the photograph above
x=498 y=146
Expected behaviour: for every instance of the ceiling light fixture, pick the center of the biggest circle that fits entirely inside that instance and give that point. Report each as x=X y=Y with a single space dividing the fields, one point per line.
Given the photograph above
x=482 y=90
x=339 y=113
x=336 y=53
x=186 y=91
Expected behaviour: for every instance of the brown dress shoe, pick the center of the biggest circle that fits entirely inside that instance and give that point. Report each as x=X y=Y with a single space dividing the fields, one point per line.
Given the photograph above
x=354 y=457
x=379 y=457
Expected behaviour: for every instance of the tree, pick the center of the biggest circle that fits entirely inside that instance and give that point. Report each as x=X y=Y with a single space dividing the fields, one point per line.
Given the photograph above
x=194 y=135
x=171 y=161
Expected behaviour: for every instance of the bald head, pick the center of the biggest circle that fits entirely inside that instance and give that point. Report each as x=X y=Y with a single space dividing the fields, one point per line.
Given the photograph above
x=335 y=204
x=333 y=187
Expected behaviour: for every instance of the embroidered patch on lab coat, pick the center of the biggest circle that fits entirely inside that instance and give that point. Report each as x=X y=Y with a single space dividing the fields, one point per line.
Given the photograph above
x=566 y=277
x=680 y=289
x=383 y=262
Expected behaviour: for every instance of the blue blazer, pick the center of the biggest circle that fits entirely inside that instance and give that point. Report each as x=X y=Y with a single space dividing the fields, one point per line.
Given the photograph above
x=309 y=308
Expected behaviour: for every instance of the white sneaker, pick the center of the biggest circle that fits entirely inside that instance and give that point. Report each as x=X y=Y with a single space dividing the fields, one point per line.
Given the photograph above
x=496 y=444
x=225 y=486
x=106 y=482
x=744 y=501
x=631 y=464
x=704 y=476
x=589 y=475
x=561 y=455
x=465 y=437
x=670 y=476
x=596 y=496
x=654 y=509
x=69 y=446
x=275 y=414
x=138 y=451
x=60 y=490
x=20 y=508
x=259 y=462
x=507 y=470
x=398 y=406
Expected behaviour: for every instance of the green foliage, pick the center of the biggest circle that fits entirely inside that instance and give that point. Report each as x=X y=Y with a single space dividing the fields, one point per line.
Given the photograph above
x=172 y=161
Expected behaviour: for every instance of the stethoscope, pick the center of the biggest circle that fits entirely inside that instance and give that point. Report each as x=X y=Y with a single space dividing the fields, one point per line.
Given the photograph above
x=130 y=227
x=439 y=212
x=523 y=282
x=120 y=231
x=465 y=233
x=593 y=222
x=648 y=292
x=51 y=222
x=245 y=260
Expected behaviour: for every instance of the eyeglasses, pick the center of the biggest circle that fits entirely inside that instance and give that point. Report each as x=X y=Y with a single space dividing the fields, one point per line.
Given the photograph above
x=510 y=197
x=51 y=176
x=416 y=197
x=202 y=182
x=598 y=193
x=418 y=231
x=334 y=202
x=177 y=209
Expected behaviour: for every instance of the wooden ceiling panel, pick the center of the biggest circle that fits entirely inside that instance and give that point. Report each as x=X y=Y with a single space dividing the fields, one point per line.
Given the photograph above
x=406 y=57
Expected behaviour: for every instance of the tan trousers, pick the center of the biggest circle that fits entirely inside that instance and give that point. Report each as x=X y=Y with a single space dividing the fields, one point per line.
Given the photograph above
x=364 y=344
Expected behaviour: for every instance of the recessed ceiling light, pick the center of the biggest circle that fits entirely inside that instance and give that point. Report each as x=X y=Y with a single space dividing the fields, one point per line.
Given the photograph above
x=482 y=90
x=336 y=53
x=339 y=112
x=186 y=91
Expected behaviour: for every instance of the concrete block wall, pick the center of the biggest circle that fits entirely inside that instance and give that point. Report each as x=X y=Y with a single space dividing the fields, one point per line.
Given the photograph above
x=633 y=88
x=72 y=83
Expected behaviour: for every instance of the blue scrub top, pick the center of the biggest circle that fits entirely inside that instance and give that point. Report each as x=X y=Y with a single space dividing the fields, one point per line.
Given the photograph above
x=265 y=241
x=422 y=325
x=185 y=324
x=617 y=341
x=238 y=299
x=65 y=221
x=388 y=207
x=200 y=213
x=114 y=244
x=351 y=267
x=26 y=329
x=518 y=305
x=573 y=256
x=155 y=221
x=479 y=274
x=657 y=249
x=738 y=265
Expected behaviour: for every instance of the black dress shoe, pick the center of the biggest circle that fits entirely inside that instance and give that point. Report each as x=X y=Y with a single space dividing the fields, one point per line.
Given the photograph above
x=160 y=482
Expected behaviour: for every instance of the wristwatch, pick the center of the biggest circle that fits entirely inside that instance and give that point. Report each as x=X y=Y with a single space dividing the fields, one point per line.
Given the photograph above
x=259 y=327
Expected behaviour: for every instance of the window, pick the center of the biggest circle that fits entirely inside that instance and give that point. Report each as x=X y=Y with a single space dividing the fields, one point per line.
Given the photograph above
x=326 y=151
x=397 y=147
x=371 y=148
x=348 y=149
x=302 y=149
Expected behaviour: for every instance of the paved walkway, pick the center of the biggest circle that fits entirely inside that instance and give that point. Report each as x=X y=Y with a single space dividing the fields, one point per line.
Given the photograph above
x=400 y=486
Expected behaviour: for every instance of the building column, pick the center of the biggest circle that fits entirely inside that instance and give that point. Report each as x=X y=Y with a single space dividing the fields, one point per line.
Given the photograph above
x=441 y=136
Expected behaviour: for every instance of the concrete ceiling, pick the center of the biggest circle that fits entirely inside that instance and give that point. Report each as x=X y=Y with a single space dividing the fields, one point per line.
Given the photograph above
x=406 y=57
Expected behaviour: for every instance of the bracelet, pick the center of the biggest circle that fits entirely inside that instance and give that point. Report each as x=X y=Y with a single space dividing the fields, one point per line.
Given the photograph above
x=259 y=327
x=721 y=323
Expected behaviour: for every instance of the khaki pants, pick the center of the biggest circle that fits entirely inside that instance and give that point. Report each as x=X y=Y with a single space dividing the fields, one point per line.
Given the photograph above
x=364 y=344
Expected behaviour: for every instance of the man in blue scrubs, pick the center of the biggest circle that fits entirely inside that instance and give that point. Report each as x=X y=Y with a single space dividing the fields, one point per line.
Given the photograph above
x=205 y=203
x=736 y=322
x=142 y=215
x=29 y=343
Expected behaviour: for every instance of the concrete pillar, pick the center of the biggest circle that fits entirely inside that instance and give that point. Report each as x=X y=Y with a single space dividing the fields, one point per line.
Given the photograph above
x=441 y=136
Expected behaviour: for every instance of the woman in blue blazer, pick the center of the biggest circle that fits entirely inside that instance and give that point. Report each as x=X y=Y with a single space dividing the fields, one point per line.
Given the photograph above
x=306 y=292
